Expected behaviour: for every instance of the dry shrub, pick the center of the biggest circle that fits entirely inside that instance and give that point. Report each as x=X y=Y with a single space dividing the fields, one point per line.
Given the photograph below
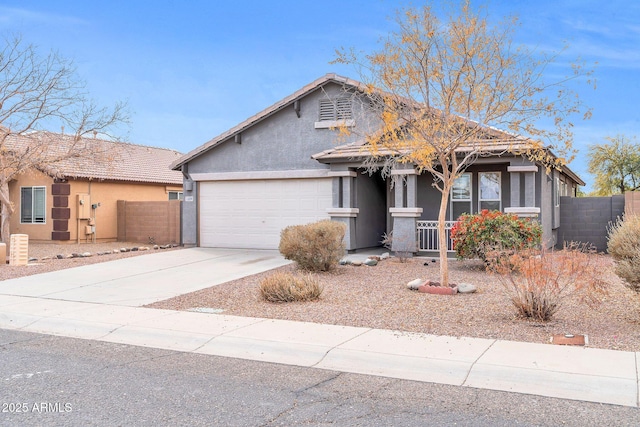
x=624 y=247
x=287 y=287
x=314 y=247
x=538 y=282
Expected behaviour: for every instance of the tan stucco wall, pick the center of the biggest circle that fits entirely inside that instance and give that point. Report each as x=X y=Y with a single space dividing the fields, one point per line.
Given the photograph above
x=105 y=193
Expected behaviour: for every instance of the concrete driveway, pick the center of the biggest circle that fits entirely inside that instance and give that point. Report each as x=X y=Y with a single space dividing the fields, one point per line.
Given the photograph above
x=145 y=279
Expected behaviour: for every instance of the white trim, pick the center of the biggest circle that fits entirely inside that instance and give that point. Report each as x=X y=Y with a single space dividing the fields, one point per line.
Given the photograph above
x=352 y=174
x=258 y=175
x=523 y=211
x=343 y=212
x=327 y=124
x=405 y=212
x=404 y=172
x=531 y=168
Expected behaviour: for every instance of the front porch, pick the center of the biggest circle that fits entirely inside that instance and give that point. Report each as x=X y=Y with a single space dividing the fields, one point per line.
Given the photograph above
x=406 y=203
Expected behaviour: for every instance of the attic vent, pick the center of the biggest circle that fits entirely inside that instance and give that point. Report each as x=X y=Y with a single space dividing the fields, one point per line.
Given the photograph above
x=335 y=109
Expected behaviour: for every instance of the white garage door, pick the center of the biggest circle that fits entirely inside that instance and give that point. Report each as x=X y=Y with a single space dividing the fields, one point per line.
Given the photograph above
x=251 y=214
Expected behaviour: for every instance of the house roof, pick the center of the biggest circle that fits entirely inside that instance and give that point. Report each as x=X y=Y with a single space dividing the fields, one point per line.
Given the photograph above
x=107 y=160
x=502 y=139
x=283 y=103
x=357 y=151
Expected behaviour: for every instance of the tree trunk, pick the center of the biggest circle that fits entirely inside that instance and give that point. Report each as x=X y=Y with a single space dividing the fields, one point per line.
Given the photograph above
x=442 y=237
x=5 y=213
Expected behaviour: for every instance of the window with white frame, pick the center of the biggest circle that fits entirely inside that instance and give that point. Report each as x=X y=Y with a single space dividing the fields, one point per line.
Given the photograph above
x=33 y=205
x=556 y=192
x=490 y=196
x=461 y=196
x=175 y=195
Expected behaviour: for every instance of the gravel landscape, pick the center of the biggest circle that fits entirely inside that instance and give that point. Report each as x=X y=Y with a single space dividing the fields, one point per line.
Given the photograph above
x=377 y=297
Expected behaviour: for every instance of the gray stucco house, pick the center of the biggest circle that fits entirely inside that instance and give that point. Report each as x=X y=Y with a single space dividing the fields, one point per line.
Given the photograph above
x=288 y=165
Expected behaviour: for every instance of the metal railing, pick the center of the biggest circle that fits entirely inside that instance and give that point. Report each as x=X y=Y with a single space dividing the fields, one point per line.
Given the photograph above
x=428 y=235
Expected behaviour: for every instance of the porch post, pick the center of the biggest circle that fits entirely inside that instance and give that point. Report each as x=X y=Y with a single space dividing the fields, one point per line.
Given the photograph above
x=405 y=212
x=344 y=204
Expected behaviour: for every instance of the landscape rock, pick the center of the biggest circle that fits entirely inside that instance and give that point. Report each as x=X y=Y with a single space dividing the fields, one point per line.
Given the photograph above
x=60 y=256
x=85 y=254
x=156 y=247
x=466 y=288
x=385 y=255
x=371 y=262
x=116 y=251
x=356 y=263
x=415 y=284
x=343 y=261
x=143 y=248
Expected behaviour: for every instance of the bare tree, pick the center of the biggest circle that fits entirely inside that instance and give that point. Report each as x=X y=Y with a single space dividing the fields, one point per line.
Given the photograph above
x=441 y=90
x=39 y=92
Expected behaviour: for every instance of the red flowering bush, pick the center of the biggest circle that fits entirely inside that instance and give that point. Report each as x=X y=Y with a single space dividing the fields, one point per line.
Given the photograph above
x=491 y=233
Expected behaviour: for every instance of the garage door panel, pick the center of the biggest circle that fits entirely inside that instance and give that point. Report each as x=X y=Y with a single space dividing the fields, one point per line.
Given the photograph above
x=251 y=214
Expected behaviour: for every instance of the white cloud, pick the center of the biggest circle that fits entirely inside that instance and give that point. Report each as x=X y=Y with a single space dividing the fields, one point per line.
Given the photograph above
x=15 y=16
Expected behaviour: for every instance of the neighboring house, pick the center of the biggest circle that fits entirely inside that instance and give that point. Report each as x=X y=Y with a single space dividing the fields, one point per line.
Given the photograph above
x=290 y=165
x=76 y=199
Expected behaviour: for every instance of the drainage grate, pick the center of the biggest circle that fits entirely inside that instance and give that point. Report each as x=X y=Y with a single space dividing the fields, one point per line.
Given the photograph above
x=206 y=310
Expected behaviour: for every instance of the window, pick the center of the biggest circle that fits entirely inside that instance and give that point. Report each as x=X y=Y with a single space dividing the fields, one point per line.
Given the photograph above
x=175 y=195
x=461 y=196
x=335 y=109
x=32 y=205
x=490 y=194
x=556 y=192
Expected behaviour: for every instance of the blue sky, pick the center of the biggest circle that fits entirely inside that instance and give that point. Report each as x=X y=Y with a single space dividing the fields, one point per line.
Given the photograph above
x=190 y=70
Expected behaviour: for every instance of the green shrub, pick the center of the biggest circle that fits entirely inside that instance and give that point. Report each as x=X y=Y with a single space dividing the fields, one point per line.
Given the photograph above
x=624 y=247
x=491 y=233
x=314 y=247
x=287 y=287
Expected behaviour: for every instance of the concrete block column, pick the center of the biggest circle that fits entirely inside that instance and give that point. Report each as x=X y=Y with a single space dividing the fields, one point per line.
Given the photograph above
x=344 y=204
x=405 y=212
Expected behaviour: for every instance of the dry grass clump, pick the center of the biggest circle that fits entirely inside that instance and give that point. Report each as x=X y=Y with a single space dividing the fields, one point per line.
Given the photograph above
x=287 y=287
x=539 y=282
x=314 y=247
x=624 y=247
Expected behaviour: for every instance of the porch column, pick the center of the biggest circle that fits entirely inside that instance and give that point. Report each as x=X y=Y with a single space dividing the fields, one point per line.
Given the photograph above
x=523 y=190
x=344 y=204
x=405 y=212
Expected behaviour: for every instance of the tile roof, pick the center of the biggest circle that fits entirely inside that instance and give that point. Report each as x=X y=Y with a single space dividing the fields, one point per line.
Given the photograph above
x=102 y=159
x=330 y=77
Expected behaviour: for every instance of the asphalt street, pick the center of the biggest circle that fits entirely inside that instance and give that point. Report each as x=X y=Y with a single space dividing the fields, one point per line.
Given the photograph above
x=49 y=380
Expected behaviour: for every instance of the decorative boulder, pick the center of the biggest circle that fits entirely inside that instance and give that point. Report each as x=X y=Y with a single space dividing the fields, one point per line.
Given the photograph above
x=466 y=288
x=415 y=284
x=371 y=262
x=385 y=255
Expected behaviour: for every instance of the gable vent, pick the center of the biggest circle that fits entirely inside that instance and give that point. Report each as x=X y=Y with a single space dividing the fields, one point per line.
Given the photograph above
x=336 y=109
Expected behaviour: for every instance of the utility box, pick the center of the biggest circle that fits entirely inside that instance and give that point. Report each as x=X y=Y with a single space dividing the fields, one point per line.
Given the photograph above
x=19 y=249
x=84 y=206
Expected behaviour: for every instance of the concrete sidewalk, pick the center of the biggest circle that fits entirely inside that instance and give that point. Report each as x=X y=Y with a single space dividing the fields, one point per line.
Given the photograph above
x=98 y=302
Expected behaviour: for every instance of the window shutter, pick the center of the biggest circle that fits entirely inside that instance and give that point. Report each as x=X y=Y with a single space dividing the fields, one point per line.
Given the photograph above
x=326 y=110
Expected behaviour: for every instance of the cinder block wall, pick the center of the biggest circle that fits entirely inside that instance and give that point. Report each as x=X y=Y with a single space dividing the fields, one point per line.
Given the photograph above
x=585 y=219
x=147 y=222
